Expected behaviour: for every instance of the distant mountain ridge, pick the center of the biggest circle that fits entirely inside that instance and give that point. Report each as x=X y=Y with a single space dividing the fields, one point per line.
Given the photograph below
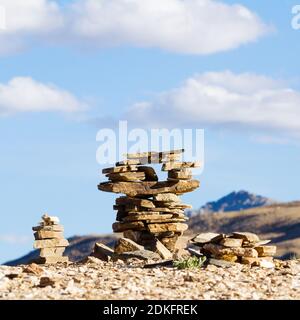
x=236 y=201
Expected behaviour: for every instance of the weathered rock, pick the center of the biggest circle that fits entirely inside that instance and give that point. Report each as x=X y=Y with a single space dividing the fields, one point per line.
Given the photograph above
x=43 y=234
x=163 y=227
x=180 y=165
x=266 y=251
x=220 y=263
x=150 y=174
x=102 y=252
x=265 y=263
x=256 y=244
x=162 y=250
x=118 y=169
x=181 y=206
x=151 y=216
x=49 y=243
x=231 y=242
x=127 y=245
x=130 y=162
x=126 y=176
x=194 y=252
x=133 y=235
x=167 y=197
x=170 y=242
x=34 y=269
x=204 y=238
x=246 y=236
x=228 y=257
x=50 y=220
x=141 y=254
x=144 y=203
x=250 y=261
x=46 y=281
x=184 y=174
x=123 y=226
x=149 y=187
x=167 y=263
x=47 y=252
x=218 y=250
x=54 y=227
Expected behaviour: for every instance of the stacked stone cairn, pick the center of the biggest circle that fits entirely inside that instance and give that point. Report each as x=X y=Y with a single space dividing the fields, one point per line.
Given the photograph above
x=50 y=241
x=242 y=247
x=151 y=211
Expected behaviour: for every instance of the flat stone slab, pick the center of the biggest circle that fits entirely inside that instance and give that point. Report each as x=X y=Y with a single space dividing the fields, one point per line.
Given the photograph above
x=231 y=242
x=162 y=250
x=123 y=226
x=119 y=169
x=203 y=238
x=141 y=254
x=246 y=236
x=44 y=234
x=219 y=250
x=127 y=245
x=102 y=252
x=164 y=227
x=126 y=176
x=149 y=187
x=220 y=263
x=135 y=201
x=46 y=252
x=50 y=243
x=54 y=227
x=167 y=197
x=180 y=165
x=266 y=251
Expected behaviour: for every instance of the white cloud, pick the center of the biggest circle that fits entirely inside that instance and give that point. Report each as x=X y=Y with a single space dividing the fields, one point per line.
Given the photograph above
x=23 y=94
x=27 y=21
x=224 y=99
x=184 y=26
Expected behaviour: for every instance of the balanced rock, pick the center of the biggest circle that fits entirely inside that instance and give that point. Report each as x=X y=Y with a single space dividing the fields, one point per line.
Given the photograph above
x=151 y=214
x=50 y=241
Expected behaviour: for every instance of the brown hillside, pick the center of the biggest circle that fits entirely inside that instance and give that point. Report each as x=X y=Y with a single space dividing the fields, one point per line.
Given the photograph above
x=280 y=223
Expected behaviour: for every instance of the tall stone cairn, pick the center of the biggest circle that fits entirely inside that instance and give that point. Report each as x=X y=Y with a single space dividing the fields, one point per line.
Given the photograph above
x=50 y=241
x=151 y=210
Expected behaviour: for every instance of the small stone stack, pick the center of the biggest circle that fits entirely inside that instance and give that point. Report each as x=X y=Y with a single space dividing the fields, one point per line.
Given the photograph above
x=243 y=247
x=50 y=240
x=151 y=210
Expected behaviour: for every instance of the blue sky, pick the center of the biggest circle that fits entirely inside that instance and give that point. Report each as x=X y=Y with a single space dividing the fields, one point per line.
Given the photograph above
x=56 y=83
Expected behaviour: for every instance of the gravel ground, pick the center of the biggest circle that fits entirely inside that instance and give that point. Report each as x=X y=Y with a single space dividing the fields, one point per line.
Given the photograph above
x=106 y=280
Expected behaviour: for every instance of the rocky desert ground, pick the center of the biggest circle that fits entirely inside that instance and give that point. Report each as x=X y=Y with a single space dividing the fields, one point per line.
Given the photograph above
x=96 y=279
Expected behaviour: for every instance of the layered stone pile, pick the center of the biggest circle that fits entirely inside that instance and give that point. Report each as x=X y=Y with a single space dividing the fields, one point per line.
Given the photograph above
x=50 y=241
x=151 y=210
x=243 y=247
